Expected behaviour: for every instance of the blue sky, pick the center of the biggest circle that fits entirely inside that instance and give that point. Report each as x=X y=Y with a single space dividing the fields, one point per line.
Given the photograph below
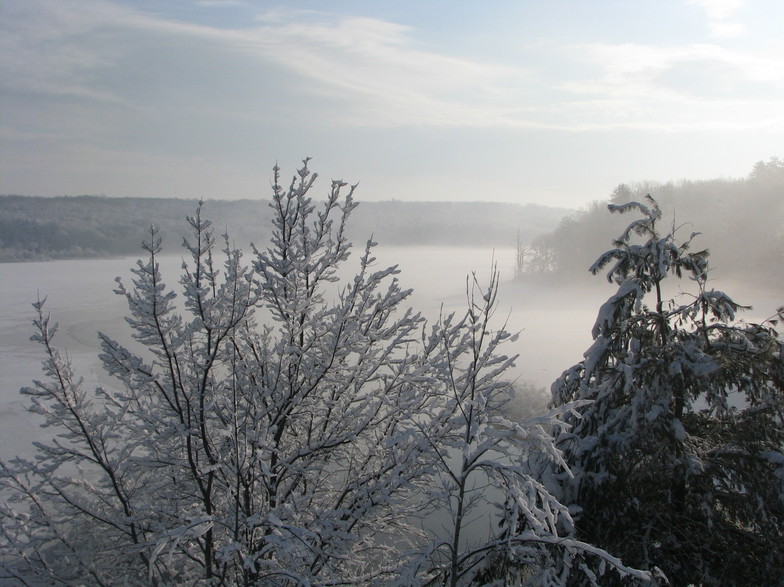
x=553 y=102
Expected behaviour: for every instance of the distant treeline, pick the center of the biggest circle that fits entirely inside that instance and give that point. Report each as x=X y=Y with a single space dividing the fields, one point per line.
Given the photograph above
x=741 y=222
x=34 y=228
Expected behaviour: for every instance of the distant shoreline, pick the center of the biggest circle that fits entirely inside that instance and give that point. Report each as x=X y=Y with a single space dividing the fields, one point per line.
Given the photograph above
x=75 y=227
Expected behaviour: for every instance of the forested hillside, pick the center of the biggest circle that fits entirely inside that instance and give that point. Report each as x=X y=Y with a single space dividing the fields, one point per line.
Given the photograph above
x=88 y=226
x=741 y=221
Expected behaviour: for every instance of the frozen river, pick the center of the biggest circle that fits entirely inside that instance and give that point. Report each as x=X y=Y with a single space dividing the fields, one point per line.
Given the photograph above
x=554 y=325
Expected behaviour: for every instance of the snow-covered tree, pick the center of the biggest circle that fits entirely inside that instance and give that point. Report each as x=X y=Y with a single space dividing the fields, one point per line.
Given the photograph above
x=233 y=453
x=274 y=425
x=678 y=458
x=496 y=521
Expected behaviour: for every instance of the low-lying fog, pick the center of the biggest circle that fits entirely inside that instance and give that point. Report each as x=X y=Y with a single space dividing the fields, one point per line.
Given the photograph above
x=554 y=323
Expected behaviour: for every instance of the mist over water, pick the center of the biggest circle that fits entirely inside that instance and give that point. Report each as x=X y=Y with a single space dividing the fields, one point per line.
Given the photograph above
x=554 y=323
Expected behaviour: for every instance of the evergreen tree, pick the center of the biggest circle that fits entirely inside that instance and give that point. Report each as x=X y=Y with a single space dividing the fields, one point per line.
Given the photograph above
x=678 y=456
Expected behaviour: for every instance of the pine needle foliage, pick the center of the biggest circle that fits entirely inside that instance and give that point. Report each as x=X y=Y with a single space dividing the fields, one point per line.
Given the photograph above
x=678 y=458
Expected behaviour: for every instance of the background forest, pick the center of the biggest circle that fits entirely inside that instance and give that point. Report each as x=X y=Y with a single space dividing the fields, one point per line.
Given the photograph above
x=740 y=218
x=33 y=228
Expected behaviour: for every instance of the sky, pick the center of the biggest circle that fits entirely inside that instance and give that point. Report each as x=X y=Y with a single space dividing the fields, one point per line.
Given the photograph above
x=553 y=102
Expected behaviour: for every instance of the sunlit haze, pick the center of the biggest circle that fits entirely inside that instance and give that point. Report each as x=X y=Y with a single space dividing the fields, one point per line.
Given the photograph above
x=519 y=101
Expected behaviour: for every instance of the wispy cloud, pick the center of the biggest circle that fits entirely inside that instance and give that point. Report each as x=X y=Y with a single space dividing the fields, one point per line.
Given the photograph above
x=720 y=14
x=383 y=77
x=220 y=3
x=719 y=9
x=697 y=86
x=368 y=72
x=370 y=69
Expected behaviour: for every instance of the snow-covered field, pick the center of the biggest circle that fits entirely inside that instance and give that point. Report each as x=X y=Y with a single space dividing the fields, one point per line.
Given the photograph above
x=554 y=326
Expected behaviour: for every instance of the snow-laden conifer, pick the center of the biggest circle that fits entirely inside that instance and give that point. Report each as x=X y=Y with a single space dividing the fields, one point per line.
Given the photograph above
x=677 y=457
